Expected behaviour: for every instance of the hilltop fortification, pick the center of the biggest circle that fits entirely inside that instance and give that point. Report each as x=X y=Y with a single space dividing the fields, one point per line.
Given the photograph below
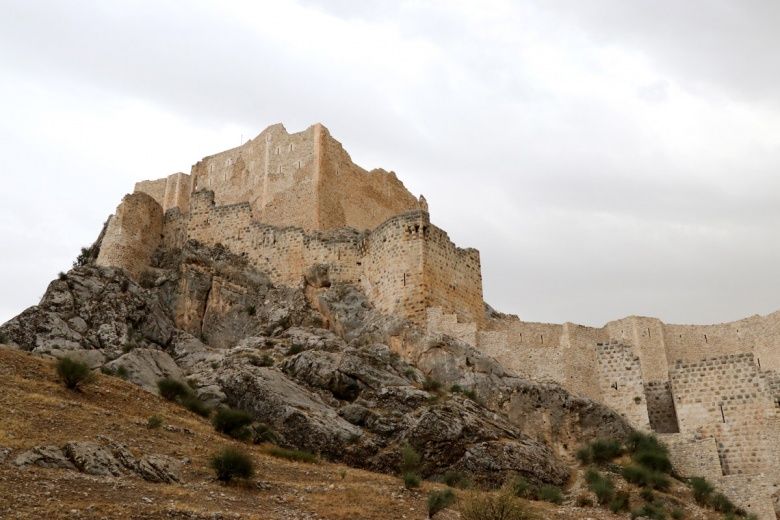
x=297 y=208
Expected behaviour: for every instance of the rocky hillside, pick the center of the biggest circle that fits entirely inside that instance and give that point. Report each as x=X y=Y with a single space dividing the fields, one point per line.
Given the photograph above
x=315 y=365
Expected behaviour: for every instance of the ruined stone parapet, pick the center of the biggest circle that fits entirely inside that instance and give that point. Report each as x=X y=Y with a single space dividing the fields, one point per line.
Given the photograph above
x=132 y=235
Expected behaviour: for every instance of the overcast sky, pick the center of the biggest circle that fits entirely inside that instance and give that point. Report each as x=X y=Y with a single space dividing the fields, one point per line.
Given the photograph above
x=607 y=158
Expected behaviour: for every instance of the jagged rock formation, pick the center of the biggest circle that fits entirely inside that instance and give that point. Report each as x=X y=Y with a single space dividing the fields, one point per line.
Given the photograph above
x=343 y=379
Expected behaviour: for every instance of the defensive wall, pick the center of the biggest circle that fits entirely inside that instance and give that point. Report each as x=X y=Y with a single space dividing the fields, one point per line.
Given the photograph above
x=305 y=179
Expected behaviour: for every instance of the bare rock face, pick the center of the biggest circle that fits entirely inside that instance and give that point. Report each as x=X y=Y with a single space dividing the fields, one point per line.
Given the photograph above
x=106 y=460
x=317 y=364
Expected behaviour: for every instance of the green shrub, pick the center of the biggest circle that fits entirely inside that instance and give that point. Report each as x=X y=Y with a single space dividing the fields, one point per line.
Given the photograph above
x=263 y=433
x=438 y=500
x=295 y=455
x=295 y=349
x=584 y=500
x=4 y=337
x=431 y=385
x=86 y=256
x=605 y=450
x=456 y=389
x=652 y=511
x=518 y=486
x=195 y=405
x=677 y=514
x=584 y=455
x=493 y=507
x=232 y=463
x=602 y=487
x=642 y=476
x=411 y=461
x=648 y=451
x=550 y=493
x=154 y=422
x=456 y=479
x=619 y=502
x=172 y=389
x=121 y=372
x=251 y=310
x=720 y=502
x=263 y=361
x=73 y=374
x=647 y=495
x=234 y=423
x=411 y=480
x=702 y=490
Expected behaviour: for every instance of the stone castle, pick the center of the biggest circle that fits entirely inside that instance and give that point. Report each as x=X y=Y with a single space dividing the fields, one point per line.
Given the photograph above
x=290 y=203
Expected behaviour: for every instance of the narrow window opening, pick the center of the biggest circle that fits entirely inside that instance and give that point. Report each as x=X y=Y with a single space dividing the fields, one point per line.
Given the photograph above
x=614 y=385
x=758 y=360
x=542 y=338
x=705 y=339
x=722 y=415
x=404 y=279
x=648 y=332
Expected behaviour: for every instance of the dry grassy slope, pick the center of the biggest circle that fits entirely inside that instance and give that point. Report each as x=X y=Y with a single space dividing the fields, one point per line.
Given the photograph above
x=35 y=409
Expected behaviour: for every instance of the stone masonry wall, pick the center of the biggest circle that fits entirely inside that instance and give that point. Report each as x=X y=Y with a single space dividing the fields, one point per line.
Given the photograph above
x=728 y=399
x=660 y=407
x=132 y=234
x=620 y=379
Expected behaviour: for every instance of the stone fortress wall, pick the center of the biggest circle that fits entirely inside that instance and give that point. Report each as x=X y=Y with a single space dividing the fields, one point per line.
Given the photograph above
x=289 y=202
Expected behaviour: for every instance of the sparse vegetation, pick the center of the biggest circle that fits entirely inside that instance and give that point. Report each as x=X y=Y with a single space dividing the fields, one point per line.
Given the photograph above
x=651 y=511
x=520 y=487
x=642 y=476
x=251 y=310
x=438 y=500
x=261 y=433
x=488 y=506
x=172 y=389
x=456 y=479
x=677 y=514
x=411 y=480
x=195 y=405
x=62 y=276
x=702 y=490
x=599 y=451
x=720 y=502
x=295 y=349
x=295 y=455
x=431 y=385
x=411 y=463
x=86 y=256
x=73 y=374
x=154 y=422
x=234 y=423
x=583 y=500
x=647 y=451
x=262 y=361
x=602 y=486
x=4 y=338
x=620 y=502
x=550 y=493
x=231 y=463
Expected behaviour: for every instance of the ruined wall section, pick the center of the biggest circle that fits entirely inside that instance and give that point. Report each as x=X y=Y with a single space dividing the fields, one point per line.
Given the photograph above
x=393 y=266
x=170 y=192
x=660 y=407
x=132 y=234
x=353 y=197
x=620 y=379
x=728 y=399
x=580 y=372
x=440 y=322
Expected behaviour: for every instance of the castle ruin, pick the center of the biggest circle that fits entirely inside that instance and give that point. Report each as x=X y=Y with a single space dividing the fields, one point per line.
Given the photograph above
x=291 y=203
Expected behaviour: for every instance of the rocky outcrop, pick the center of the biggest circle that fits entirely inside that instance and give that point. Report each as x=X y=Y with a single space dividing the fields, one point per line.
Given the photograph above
x=317 y=365
x=110 y=459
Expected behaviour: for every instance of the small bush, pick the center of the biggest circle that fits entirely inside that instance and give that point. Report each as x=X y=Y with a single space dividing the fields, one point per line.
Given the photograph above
x=584 y=455
x=195 y=405
x=677 y=514
x=584 y=500
x=411 y=480
x=619 y=502
x=494 y=507
x=172 y=389
x=647 y=495
x=251 y=310
x=456 y=389
x=642 y=476
x=720 y=502
x=518 y=486
x=456 y=479
x=263 y=433
x=431 y=385
x=86 y=256
x=263 y=361
x=602 y=487
x=605 y=450
x=411 y=461
x=4 y=338
x=295 y=349
x=232 y=463
x=550 y=493
x=121 y=372
x=648 y=451
x=234 y=423
x=154 y=422
x=702 y=490
x=438 y=500
x=62 y=276
x=73 y=374
x=295 y=455
x=652 y=511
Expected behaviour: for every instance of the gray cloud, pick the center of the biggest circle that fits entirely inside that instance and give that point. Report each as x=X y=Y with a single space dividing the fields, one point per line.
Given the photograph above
x=607 y=159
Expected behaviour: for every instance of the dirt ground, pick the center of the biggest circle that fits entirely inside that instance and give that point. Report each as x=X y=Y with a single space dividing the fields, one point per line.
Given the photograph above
x=35 y=409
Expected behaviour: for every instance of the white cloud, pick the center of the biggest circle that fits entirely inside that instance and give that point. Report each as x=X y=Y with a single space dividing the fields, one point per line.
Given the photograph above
x=606 y=159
